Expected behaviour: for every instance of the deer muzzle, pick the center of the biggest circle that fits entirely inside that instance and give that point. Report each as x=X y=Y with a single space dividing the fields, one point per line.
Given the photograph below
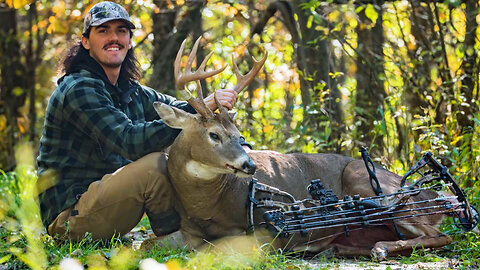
x=249 y=167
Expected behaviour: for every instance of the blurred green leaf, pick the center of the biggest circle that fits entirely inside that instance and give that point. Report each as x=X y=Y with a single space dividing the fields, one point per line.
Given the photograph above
x=371 y=13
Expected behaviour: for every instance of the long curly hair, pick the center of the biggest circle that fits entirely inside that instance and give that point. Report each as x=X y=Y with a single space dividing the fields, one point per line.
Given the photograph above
x=130 y=67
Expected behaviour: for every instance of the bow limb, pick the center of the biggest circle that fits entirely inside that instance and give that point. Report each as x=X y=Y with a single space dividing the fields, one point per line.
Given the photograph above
x=469 y=220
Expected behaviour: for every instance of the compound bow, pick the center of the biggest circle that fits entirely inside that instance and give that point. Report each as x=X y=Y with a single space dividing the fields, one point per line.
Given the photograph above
x=324 y=210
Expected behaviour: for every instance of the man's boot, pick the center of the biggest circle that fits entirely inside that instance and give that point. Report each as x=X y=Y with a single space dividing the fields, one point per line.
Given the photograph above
x=164 y=223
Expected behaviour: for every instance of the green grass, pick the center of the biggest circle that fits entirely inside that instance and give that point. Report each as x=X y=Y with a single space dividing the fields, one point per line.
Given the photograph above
x=118 y=254
x=24 y=244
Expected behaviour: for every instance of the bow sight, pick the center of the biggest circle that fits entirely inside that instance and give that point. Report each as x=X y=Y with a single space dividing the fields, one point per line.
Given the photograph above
x=284 y=215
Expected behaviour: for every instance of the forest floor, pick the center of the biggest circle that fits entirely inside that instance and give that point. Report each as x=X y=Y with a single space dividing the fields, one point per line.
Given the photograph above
x=398 y=263
x=231 y=254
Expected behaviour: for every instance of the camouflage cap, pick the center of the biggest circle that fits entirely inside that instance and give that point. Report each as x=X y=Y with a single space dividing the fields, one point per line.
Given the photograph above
x=103 y=12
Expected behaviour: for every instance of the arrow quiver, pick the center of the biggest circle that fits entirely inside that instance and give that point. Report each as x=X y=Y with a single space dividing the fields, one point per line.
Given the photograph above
x=283 y=215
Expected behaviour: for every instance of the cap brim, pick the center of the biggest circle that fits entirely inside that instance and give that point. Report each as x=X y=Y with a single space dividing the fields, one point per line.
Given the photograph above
x=102 y=21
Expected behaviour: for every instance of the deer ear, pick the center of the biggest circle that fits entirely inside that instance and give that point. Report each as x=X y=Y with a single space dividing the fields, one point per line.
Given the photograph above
x=172 y=116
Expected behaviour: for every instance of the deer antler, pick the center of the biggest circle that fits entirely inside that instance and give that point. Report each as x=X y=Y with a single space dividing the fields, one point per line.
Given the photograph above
x=181 y=79
x=244 y=80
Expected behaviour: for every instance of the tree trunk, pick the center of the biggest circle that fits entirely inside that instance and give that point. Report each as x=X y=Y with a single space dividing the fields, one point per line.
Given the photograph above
x=370 y=73
x=418 y=80
x=31 y=66
x=467 y=109
x=168 y=37
x=315 y=77
x=444 y=69
x=316 y=66
x=470 y=68
x=12 y=86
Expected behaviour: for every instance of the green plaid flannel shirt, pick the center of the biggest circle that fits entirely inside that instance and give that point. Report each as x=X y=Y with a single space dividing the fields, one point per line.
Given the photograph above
x=92 y=128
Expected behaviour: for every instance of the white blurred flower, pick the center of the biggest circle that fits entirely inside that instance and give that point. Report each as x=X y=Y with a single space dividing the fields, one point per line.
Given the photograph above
x=151 y=264
x=70 y=264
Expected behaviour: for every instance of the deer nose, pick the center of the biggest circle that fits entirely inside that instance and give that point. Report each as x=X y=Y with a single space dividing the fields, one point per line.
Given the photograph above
x=249 y=166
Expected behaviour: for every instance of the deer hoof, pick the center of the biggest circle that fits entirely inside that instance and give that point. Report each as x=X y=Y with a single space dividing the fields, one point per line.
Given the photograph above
x=328 y=253
x=379 y=253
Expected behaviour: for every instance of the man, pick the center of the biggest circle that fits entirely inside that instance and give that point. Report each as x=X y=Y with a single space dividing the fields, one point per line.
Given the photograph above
x=103 y=138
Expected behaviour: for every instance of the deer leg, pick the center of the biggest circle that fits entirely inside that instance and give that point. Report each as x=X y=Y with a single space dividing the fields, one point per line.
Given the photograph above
x=348 y=251
x=178 y=239
x=173 y=240
x=381 y=250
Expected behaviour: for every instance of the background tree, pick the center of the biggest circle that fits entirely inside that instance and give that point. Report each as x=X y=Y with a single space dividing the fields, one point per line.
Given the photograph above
x=171 y=25
x=12 y=85
x=370 y=94
x=398 y=76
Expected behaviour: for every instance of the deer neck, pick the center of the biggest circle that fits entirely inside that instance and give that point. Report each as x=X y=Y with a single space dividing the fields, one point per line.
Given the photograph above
x=197 y=185
x=183 y=167
x=200 y=171
x=205 y=195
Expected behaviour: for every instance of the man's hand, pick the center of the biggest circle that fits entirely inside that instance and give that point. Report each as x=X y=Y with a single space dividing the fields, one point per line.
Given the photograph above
x=226 y=97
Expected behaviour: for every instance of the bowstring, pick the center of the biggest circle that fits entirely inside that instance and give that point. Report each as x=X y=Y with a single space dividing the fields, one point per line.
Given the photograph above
x=291 y=220
x=375 y=220
x=356 y=211
x=405 y=192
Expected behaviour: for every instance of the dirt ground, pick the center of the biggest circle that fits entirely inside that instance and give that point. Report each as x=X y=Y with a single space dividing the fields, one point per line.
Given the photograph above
x=389 y=264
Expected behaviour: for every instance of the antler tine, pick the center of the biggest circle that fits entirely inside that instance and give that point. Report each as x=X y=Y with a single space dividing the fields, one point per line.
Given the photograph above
x=192 y=55
x=189 y=76
x=178 y=58
x=198 y=104
x=185 y=94
x=244 y=80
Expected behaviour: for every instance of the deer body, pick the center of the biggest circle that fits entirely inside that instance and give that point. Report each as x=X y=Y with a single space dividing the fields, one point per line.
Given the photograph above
x=216 y=207
x=210 y=172
x=211 y=181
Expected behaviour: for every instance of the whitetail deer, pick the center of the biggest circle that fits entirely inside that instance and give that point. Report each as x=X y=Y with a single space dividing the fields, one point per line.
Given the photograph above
x=210 y=172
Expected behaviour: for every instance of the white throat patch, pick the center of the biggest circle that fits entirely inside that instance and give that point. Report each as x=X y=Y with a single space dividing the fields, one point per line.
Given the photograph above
x=202 y=171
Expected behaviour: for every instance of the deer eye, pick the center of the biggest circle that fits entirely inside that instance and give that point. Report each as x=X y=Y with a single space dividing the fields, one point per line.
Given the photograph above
x=214 y=136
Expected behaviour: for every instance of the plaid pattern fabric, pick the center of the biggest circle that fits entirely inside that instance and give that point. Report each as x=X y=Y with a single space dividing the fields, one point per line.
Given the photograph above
x=92 y=128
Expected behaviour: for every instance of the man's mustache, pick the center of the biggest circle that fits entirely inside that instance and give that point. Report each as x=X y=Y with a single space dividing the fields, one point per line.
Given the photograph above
x=114 y=43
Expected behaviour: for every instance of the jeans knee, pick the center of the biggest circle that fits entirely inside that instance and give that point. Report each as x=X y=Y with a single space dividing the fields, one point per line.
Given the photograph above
x=156 y=161
x=155 y=180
